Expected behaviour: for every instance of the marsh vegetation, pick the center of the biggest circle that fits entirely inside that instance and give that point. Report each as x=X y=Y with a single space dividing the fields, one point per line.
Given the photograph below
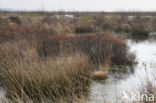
x=63 y=58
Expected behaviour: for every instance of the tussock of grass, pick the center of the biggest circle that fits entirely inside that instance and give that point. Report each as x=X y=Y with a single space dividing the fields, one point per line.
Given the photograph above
x=99 y=75
x=53 y=78
x=102 y=73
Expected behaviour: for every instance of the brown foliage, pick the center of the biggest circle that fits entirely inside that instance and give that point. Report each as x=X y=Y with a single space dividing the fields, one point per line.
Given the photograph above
x=15 y=19
x=97 y=47
x=14 y=31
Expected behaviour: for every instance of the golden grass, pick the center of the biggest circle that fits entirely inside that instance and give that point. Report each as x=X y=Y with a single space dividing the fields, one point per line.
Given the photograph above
x=103 y=71
x=99 y=75
x=151 y=89
x=82 y=99
x=28 y=77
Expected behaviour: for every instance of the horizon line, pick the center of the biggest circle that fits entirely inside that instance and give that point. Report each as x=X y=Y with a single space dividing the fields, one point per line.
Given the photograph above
x=63 y=10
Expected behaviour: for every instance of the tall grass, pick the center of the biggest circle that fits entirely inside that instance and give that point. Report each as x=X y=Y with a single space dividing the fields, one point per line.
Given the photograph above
x=151 y=89
x=102 y=72
x=26 y=76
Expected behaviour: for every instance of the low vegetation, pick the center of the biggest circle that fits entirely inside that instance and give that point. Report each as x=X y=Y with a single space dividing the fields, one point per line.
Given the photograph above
x=133 y=23
x=58 y=68
x=97 y=47
x=84 y=29
x=139 y=33
x=14 y=32
x=15 y=19
x=52 y=58
x=27 y=77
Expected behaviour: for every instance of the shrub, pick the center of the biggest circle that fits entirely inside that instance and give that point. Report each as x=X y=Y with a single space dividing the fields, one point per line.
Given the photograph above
x=84 y=29
x=97 y=47
x=3 y=21
x=15 y=19
x=14 y=32
x=85 y=19
x=139 y=33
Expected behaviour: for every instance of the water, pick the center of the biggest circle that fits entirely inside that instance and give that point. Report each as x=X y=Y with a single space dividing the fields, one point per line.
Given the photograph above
x=113 y=89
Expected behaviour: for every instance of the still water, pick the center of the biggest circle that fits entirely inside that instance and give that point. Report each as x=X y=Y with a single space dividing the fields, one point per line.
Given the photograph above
x=113 y=89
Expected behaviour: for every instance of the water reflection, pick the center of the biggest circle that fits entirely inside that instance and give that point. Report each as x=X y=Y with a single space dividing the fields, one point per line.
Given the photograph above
x=127 y=81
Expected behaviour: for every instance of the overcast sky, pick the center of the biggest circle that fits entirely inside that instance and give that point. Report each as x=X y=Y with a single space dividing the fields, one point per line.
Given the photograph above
x=80 y=5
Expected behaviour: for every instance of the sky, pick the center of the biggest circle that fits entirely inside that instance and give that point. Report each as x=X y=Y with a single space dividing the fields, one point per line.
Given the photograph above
x=80 y=5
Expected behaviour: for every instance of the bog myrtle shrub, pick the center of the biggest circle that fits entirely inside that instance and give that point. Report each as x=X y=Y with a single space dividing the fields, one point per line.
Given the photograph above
x=97 y=47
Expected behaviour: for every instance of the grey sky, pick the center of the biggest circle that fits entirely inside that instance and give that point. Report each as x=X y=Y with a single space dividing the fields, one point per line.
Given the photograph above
x=80 y=5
